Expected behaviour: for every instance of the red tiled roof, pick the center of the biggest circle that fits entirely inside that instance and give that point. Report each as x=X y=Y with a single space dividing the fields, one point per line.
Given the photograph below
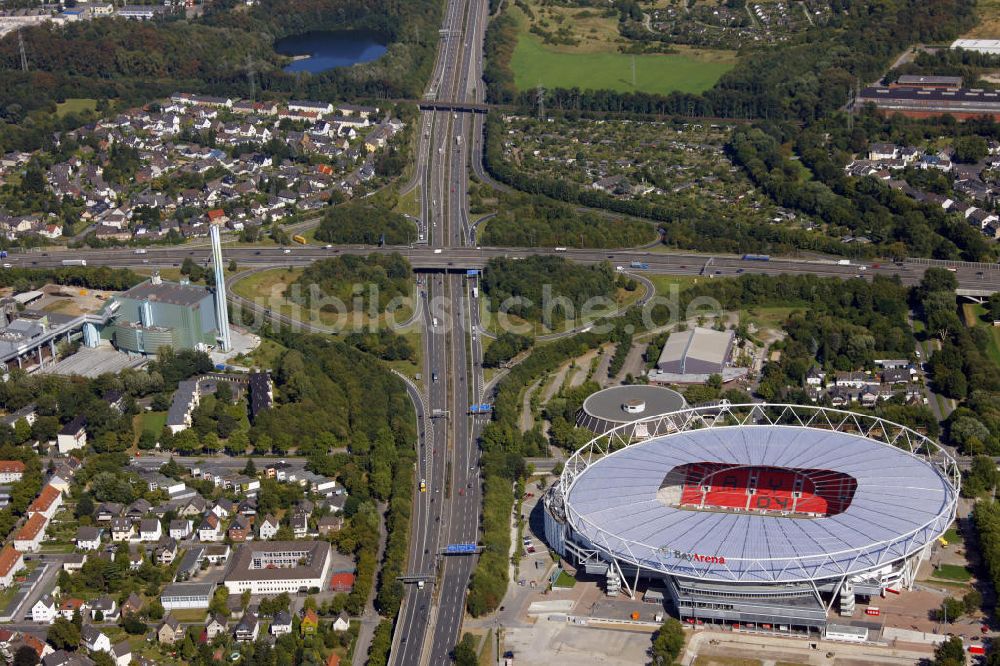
x=32 y=528
x=216 y=213
x=8 y=559
x=71 y=604
x=11 y=466
x=45 y=499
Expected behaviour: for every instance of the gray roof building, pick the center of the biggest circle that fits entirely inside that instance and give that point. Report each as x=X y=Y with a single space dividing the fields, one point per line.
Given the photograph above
x=696 y=351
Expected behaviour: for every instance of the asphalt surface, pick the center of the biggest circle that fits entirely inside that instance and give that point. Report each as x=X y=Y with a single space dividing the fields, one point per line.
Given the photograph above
x=448 y=512
x=971 y=276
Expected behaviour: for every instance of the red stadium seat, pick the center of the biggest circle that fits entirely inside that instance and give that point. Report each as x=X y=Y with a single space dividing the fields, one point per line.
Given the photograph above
x=722 y=487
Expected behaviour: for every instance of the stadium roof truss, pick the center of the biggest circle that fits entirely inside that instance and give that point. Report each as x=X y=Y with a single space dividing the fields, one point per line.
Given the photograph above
x=825 y=566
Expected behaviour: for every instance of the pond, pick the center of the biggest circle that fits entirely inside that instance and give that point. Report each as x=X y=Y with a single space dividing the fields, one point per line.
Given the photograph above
x=325 y=49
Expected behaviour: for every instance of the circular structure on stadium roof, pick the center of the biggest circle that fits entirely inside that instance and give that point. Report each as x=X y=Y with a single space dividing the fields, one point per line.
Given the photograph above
x=759 y=494
x=616 y=406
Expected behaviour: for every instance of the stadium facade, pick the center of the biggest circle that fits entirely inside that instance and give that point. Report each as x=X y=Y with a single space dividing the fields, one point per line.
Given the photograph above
x=760 y=516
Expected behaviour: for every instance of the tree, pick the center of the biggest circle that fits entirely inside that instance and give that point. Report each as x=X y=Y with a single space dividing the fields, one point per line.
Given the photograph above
x=972 y=600
x=970 y=149
x=155 y=610
x=25 y=656
x=84 y=506
x=250 y=469
x=951 y=609
x=949 y=653
x=464 y=653
x=102 y=659
x=133 y=625
x=220 y=601
x=667 y=643
x=63 y=634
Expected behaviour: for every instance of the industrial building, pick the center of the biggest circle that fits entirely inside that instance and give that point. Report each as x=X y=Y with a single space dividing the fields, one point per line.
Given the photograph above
x=926 y=102
x=157 y=314
x=274 y=567
x=765 y=517
x=991 y=46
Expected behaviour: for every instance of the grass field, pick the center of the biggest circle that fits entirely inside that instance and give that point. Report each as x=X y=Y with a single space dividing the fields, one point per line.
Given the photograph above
x=75 y=105
x=535 y=64
x=973 y=314
x=267 y=288
x=153 y=422
x=597 y=64
x=953 y=572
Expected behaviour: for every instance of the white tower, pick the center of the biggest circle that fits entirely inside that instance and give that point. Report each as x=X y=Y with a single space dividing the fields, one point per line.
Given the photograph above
x=221 y=313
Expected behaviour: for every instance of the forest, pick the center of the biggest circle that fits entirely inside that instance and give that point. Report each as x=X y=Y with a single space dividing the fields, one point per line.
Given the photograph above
x=961 y=368
x=376 y=280
x=529 y=288
x=538 y=221
x=356 y=224
x=132 y=63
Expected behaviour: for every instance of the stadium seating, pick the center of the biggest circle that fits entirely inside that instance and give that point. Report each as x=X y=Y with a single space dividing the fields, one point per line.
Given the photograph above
x=726 y=487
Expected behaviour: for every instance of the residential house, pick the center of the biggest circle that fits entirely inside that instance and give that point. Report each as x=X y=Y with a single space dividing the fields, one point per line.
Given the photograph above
x=28 y=539
x=169 y=631
x=94 y=639
x=310 y=622
x=11 y=562
x=223 y=508
x=73 y=435
x=88 y=538
x=180 y=529
x=107 y=512
x=267 y=528
x=217 y=624
x=281 y=623
x=300 y=525
x=11 y=471
x=122 y=529
x=47 y=502
x=132 y=604
x=71 y=606
x=150 y=529
x=45 y=610
x=107 y=607
x=328 y=524
x=122 y=653
x=210 y=528
x=166 y=552
x=342 y=623
x=247 y=629
x=239 y=529
x=217 y=554
x=73 y=562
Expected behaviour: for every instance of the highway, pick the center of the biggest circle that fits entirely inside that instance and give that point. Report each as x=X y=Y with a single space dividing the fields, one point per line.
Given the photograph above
x=971 y=276
x=448 y=512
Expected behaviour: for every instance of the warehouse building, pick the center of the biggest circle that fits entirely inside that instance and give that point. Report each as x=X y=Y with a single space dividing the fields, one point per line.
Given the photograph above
x=696 y=351
x=921 y=102
x=991 y=46
x=694 y=355
x=157 y=314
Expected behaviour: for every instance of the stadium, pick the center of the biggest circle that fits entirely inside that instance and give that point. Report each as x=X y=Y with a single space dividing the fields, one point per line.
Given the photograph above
x=758 y=516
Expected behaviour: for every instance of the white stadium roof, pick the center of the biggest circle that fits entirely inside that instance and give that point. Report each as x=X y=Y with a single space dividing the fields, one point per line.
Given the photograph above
x=901 y=503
